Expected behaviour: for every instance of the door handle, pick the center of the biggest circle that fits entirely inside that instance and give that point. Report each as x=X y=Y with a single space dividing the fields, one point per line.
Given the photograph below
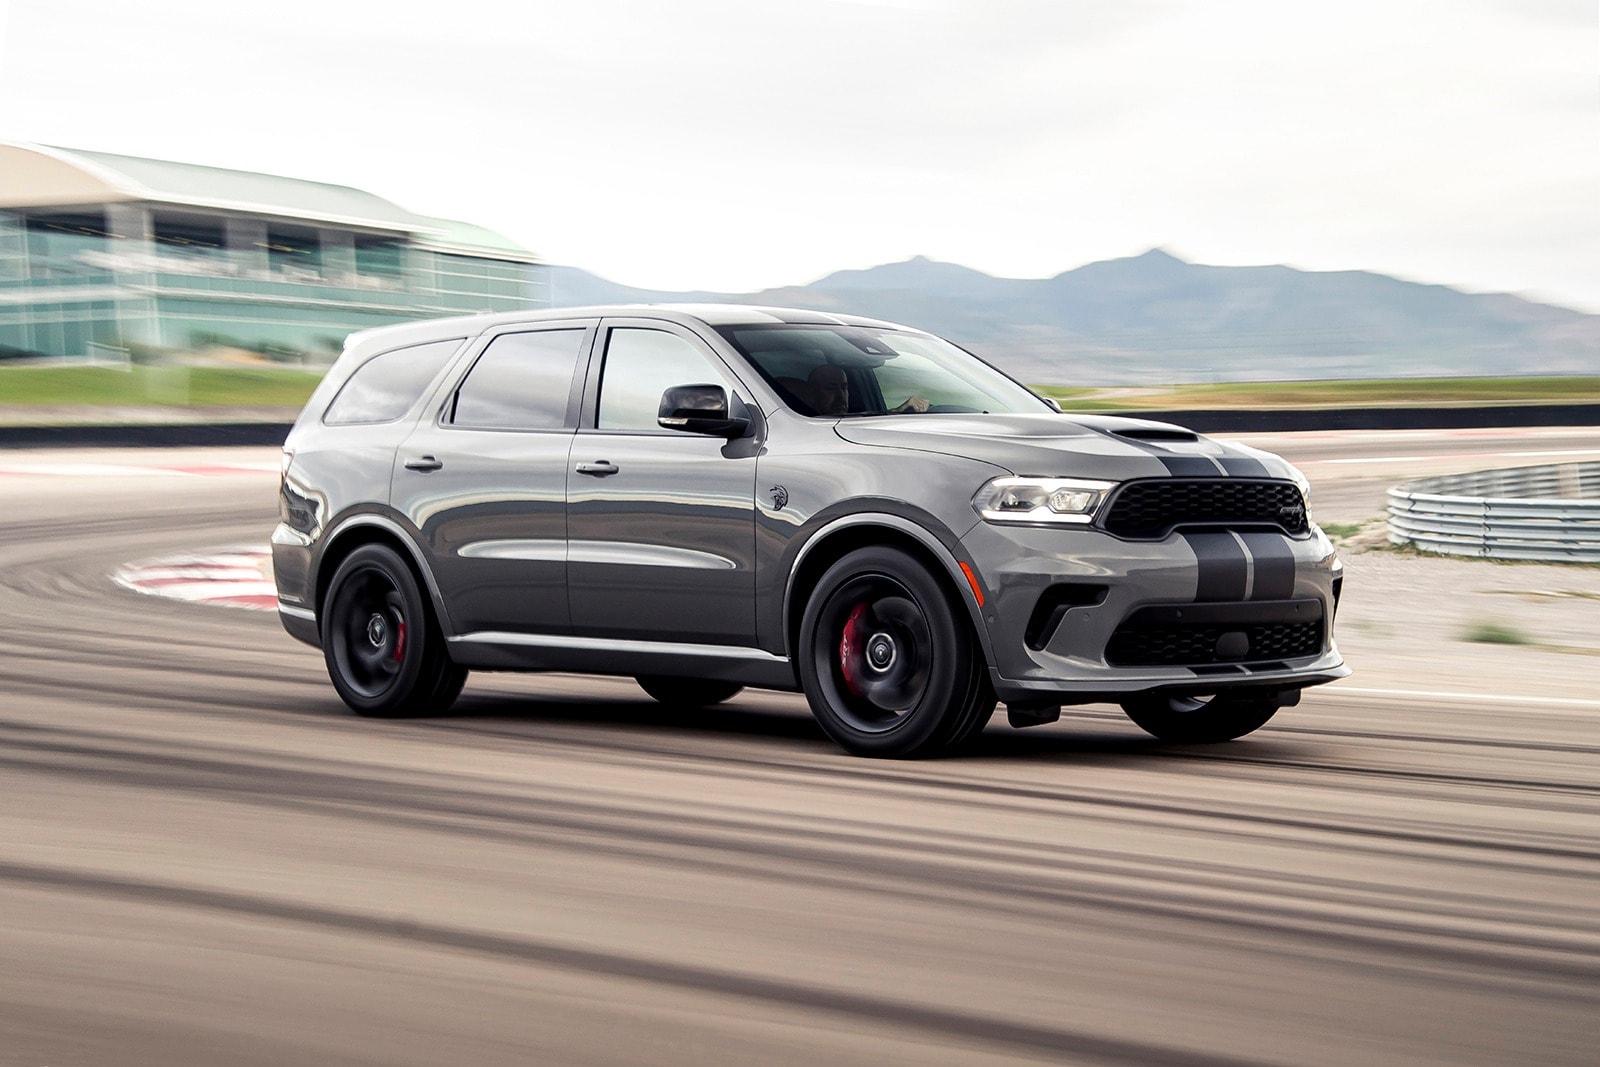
x=423 y=463
x=599 y=469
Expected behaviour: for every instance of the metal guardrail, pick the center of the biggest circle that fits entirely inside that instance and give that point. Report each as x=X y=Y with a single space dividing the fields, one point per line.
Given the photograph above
x=1549 y=513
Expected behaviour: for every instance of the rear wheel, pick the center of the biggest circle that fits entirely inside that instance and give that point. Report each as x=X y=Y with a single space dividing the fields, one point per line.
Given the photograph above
x=382 y=645
x=1203 y=720
x=889 y=667
x=687 y=692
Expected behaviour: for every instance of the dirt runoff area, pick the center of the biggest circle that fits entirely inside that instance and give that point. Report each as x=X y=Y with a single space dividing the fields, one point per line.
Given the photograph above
x=1410 y=620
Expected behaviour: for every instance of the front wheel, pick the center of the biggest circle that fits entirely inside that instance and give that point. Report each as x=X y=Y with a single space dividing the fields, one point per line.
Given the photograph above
x=1191 y=720
x=687 y=692
x=383 y=648
x=888 y=664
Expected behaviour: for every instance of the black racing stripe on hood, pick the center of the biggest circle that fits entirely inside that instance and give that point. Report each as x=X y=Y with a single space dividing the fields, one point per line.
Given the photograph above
x=1224 y=570
x=1244 y=467
x=1274 y=566
x=1187 y=466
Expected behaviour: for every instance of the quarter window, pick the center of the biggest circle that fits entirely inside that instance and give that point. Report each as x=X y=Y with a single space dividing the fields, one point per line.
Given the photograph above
x=384 y=387
x=521 y=382
x=642 y=364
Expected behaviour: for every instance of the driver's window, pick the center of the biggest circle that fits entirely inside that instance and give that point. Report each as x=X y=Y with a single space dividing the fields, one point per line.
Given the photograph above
x=640 y=365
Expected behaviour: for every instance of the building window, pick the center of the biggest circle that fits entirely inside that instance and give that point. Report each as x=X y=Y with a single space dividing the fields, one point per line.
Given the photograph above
x=67 y=245
x=378 y=257
x=186 y=237
x=294 y=253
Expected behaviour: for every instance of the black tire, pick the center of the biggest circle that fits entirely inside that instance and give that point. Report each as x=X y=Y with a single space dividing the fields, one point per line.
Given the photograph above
x=982 y=710
x=687 y=692
x=1202 y=721
x=381 y=642
x=888 y=663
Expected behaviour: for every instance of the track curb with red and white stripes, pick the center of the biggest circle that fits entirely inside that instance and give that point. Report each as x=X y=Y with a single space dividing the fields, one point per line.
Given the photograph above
x=237 y=577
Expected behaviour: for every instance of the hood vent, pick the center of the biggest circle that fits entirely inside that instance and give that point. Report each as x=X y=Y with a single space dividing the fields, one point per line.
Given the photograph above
x=1156 y=433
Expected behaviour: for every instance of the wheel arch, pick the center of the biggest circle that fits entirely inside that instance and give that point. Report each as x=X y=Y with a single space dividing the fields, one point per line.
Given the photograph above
x=843 y=536
x=370 y=530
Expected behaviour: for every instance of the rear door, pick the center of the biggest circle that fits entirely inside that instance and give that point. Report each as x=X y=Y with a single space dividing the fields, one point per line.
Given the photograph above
x=484 y=479
x=661 y=523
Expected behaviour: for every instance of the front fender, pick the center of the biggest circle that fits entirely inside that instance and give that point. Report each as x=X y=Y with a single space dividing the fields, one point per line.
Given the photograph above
x=855 y=528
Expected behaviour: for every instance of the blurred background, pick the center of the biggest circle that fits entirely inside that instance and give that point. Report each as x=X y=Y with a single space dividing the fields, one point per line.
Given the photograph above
x=1148 y=195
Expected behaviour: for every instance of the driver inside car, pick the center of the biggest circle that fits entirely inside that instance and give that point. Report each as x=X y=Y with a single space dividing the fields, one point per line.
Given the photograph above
x=830 y=393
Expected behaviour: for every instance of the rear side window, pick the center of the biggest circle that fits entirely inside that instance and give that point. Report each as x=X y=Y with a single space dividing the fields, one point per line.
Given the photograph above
x=384 y=387
x=523 y=381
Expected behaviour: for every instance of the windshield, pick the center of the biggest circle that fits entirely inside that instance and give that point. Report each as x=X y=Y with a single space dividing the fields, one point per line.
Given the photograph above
x=843 y=371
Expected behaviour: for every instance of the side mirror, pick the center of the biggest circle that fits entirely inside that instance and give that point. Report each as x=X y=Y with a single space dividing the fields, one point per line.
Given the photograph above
x=1055 y=405
x=700 y=409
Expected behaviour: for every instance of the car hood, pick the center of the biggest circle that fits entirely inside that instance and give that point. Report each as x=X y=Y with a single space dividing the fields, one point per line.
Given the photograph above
x=1085 y=446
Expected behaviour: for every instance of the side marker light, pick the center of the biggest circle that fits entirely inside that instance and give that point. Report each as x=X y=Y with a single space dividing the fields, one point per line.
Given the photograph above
x=972 y=580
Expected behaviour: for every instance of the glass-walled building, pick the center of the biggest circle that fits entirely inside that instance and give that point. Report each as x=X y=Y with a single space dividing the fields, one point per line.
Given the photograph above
x=105 y=252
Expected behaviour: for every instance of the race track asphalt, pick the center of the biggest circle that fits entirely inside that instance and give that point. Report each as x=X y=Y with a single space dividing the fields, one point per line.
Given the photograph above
x=204 y=859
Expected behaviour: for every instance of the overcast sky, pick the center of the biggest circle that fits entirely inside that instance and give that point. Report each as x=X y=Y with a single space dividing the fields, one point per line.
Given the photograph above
x=740 y=144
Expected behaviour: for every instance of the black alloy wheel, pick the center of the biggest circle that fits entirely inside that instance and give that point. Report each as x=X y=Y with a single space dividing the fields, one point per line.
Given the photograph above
x=888 y=660
x=687 y=692
x=382 y=645
x=1191 y=720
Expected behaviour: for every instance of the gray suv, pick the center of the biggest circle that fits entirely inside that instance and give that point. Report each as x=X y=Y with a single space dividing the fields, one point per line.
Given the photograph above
x=712 y=497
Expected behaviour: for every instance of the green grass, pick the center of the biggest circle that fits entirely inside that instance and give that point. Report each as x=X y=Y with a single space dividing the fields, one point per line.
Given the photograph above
x=1496 y=633
x=156 y=386
x=1355 y=393
x=1342 y=529
x=267 y=387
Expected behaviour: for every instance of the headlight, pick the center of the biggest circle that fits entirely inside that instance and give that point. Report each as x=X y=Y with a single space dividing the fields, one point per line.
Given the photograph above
x=1045 y=500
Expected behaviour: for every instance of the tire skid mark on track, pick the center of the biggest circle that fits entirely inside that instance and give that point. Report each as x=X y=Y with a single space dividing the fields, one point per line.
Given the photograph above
x=1499 y=744
x=211 y=759
x=981 y=794
x=53 y=533
x=1426 y=944
x=1097 y=881
x=748 y=987
x=608 y=746
x=1361 y=693
x=336 y=785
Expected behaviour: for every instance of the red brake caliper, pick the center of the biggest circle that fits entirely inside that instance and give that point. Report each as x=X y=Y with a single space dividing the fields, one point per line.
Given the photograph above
x=400 y=640
x=848 y=642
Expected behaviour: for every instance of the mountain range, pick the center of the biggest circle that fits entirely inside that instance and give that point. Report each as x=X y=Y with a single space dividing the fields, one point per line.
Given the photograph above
x=1155 y=319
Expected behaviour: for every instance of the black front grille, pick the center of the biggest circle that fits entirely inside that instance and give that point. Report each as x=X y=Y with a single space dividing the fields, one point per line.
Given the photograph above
x=1197 y=645
x=1153 y=509
x=1218 y=633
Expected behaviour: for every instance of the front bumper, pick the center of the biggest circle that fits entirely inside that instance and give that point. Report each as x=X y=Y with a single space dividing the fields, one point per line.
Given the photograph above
x=1099 y=582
